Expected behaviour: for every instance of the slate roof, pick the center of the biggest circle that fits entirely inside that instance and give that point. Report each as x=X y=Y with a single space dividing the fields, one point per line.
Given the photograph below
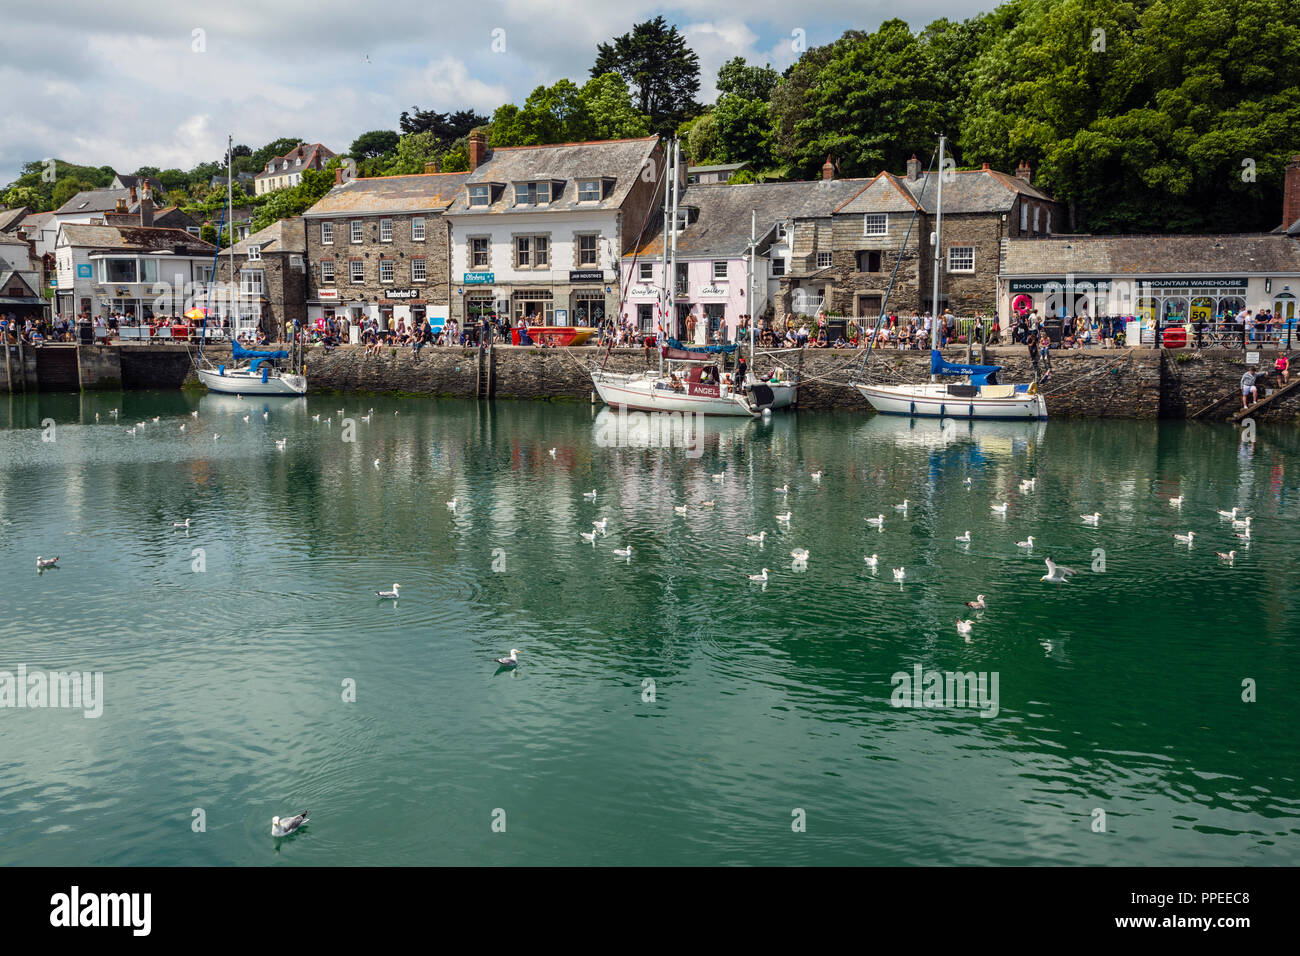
x=10 y=219
x=36 y=221
x=423 y=192
x=97 y=200
x=137 y=181
x=968 y=191
x=722 y=227
x=717 y=168
x=1151 y=255
x=287 y=235
x=136 y=239
x=617 y=159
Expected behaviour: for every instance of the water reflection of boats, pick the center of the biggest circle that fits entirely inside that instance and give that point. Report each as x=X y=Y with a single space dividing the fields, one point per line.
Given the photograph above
x=991 y=436
x=621 y=427
x=222 y=404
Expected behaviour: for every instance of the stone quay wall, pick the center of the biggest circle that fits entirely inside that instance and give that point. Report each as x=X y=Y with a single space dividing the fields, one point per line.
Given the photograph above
x=1122 y=383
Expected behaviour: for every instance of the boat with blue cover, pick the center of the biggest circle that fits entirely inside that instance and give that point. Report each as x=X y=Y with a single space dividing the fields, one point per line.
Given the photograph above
x=258 y=377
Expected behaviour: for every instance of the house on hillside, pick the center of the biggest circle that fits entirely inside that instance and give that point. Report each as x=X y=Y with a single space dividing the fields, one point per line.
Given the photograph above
x=285 y=171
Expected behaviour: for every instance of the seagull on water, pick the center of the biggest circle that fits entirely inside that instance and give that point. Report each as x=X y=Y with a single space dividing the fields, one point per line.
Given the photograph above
x=783 y=490
x=1186 y=538
x=1243 y=525
x=193 y=414
x=680 y=509
x=720 y=476
x=708 y=504
x=978 y=604
x=877 y=522
x=364 y=418
x=964 y=628
x=816 y=476
x=1229 y=557
x=280 y=443
x=756 y=537
x=510 y=661
x=215 y=436
x=451 y=505
x=552 y=452
x=900 y=573
x=130 y=431
x=390 y=594
x=624 y=552
x=266 y=416
x=340 y=413
x=785 y=517
x=113 y=412
x=1027 y=543
x=281 y=827
x=1094 y=518
x=1229 y=514
x=182 y=428
x=1000 y=509
x=903 y=506
x=873 y=561
x=156 y=417
x=1056 y=573
x=588 y=536
x=590 y=494
x=245 y=418
x=967 y=482
x=800 y=554
x=376 y=463
x=759 y=577
x=315 y=418
x=600 y=525
x=1176 y=502
x=43 y=563
x=181 y=524
x=964 y=538
x=1028 y=484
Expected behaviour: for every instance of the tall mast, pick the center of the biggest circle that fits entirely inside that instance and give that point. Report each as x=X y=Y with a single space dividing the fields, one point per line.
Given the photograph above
x=230 y=218
x=749 y=281
x=938 y=251
x=663 y=273
x=672 y=280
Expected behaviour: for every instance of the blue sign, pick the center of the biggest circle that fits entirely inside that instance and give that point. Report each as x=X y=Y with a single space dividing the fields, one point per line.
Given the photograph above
x=480 y=278
x=85 y=270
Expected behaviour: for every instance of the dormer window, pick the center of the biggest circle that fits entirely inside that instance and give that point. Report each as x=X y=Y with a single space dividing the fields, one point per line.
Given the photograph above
x=533 y=194
x=254 y=253
x=588 y=190
x=480 y=195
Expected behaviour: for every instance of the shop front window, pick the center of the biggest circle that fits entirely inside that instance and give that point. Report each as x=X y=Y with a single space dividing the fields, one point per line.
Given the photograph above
x=588 y=308
x=535 y=308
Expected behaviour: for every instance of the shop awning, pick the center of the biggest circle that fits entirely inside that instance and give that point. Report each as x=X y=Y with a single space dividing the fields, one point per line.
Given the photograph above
x=21 y=300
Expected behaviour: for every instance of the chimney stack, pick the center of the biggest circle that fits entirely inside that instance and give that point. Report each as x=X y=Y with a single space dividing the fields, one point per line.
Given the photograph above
x=338 y=175
x=986 y=167
x=913 y=169
x=121 y=205
x=1291 y=193
x=1022 y=172
x=477 y=149
x=132 y=191
x=433 y=166
x=146 y=206
x=828 y=168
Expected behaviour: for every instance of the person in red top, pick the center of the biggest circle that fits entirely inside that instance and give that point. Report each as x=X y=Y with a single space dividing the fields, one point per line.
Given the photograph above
x=1283 y=367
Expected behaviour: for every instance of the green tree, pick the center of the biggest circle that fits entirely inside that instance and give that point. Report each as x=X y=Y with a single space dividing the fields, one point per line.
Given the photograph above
x=374 y=144
x=27 y=196
x=744 y=129
x=208 y=233
x=414 y=150
x=607 y=105
x=699 y=138
x=65 y=189
x=662 y=72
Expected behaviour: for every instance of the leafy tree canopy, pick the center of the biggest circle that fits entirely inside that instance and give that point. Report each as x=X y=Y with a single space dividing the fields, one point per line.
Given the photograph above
x=661 y=71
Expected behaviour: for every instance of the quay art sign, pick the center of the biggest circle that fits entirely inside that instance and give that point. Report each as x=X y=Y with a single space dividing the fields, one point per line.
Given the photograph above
x=642 y=290
x=480 y=278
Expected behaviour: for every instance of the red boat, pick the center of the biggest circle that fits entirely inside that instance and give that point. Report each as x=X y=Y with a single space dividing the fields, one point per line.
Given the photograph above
x=559 y=335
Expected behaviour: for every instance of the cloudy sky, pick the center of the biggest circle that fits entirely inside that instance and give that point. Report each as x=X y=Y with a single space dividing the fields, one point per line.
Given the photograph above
x=136 y=82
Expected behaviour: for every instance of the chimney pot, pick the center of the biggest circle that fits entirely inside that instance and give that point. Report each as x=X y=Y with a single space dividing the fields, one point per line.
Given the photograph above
x=986 y=167
x=828 y=168
x=477 y=149
x=1023 y=172
x=1291 y=193
x=132 y=189
x=913 y=168
x=338 y=176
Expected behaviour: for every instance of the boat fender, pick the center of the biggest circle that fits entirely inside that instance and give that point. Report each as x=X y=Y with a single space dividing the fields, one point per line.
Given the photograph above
x=266 y=373
x=221 y=370
x=970 y=410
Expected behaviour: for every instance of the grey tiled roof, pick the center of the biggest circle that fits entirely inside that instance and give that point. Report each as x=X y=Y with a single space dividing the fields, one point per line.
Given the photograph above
x=424 y=192
x=135 y=238
x=287 y=235
x=1152 y=255
x=11 y=218
x=973 y=190
x=97 y=200
x=309 y=153
x=722 y=227
x=717 y=168
x=618 y=159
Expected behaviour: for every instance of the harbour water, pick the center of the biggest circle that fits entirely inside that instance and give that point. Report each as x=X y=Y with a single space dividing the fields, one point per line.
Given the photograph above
x=665 y=710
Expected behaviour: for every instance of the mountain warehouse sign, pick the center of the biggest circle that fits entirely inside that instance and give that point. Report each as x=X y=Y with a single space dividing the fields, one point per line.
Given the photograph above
x=1066 y=283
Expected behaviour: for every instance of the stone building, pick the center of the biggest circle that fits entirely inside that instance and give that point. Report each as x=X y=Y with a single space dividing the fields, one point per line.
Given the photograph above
x=537 y=232
x=843 y=261
x=269 y=288
x=378 y=248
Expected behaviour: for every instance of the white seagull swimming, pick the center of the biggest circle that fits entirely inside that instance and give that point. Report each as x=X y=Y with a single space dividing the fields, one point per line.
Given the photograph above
x=590 y=494
x=390 y=594
x=785 y=517
x=451 y=505
x=680 y=509
x=624 y=552
x=510 y=661
x=903 y=506
x=552 y=452
x=759 y=577
x=978 y=604
x=1094 y=518
x=588 y=536
x=181 y=524
x=245 y=418
x=1243 y=525
x=999 y=509
x=1176 y=502
x=182 y=428
x=967 y=482
x=1056 y=573
x=800 y=554
x=376 y=462
x=281 y=827
x=756 y=537
x=783 y=490
x=964 y=628
x=1229 y=514
x=193 y=414
x=877 y=522
x=1027 y=543
x=708 y=504
x=280 y=443
x=46 y=562
x=600 y=525
x=720 y=476
x=900 y=573
x=873 y=561
x=964 y=538
x=1229 y=557
x=1186 y=538
x=816 y=476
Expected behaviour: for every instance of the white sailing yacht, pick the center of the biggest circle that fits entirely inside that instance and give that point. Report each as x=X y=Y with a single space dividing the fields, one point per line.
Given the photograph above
x=980 y=396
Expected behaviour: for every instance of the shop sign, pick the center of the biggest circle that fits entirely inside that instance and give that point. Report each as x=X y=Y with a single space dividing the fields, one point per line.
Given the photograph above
x=480 y=278
x=586 y=275
x=401 y=293
x=327 y=294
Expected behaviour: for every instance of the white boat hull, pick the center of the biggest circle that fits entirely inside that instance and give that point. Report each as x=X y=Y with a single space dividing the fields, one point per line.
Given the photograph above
x=641 y=393
x=242 y=382
x=935 y=401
